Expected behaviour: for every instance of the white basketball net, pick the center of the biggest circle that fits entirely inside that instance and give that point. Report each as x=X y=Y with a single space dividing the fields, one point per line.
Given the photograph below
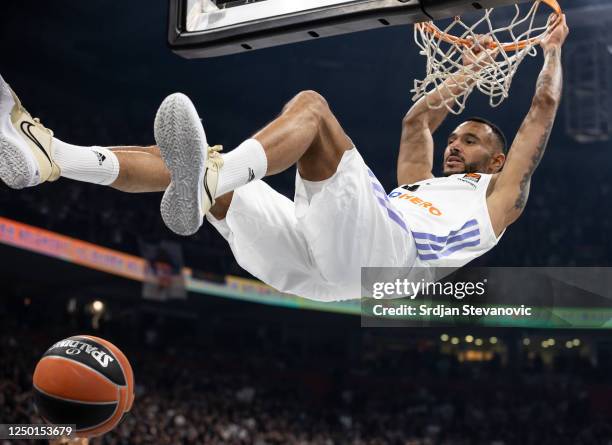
x=495 y=70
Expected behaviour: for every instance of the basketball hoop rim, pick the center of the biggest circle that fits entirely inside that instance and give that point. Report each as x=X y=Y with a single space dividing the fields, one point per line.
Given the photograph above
x=507 y=47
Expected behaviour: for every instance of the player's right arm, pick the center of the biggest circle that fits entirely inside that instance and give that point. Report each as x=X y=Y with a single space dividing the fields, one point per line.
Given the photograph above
x=415 y=160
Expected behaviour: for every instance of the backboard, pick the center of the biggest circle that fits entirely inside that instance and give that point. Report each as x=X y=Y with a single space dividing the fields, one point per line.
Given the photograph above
x=208 y=28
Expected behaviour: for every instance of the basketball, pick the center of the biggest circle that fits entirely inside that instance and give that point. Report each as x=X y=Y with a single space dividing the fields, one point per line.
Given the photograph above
x=84 y=381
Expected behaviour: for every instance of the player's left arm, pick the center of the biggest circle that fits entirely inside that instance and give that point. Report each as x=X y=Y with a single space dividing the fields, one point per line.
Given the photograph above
x=507 y=196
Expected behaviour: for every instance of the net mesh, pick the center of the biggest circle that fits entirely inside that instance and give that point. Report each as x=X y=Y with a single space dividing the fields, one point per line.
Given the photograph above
x=491 y=72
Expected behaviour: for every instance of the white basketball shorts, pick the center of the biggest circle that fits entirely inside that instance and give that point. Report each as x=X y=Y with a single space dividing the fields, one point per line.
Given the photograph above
x=315 y=246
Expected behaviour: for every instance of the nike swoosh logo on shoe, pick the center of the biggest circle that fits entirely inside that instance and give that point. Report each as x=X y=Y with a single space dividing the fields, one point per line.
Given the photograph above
x=26 y=129
x=206 y=186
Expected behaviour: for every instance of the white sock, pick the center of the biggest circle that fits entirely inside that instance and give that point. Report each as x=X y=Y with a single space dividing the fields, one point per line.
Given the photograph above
x=97 y=165
x=243 y=164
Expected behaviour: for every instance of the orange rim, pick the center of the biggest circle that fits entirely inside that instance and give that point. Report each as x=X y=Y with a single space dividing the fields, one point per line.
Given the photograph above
x=433 y=29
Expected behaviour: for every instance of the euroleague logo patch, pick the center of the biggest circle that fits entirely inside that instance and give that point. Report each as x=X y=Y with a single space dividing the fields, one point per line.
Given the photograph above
x=471 y=178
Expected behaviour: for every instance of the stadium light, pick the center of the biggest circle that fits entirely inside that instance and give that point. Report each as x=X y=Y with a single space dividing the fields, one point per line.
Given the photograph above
x=97 y=306
x=493 y=340
x=469 y=339
x=455 y=340
x=444 y=337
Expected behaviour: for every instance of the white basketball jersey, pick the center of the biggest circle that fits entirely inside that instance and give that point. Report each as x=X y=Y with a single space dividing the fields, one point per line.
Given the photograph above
x=448 y=218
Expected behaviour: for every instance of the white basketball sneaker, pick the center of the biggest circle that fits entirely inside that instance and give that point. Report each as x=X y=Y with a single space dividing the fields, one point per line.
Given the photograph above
x=26 y=146
x=193 y=165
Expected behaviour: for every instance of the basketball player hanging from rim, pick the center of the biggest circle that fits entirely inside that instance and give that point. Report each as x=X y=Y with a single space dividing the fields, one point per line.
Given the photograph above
x=341 y=219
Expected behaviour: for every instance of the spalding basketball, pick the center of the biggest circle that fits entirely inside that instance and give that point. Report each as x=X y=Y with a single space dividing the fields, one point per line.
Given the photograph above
x=84 y=381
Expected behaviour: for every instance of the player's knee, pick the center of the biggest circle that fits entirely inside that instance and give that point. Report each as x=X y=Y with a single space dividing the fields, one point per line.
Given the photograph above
x=310 y=102
x=311 y=97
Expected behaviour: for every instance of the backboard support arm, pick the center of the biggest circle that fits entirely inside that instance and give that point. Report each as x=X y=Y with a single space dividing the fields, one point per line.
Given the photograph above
x=343 y=17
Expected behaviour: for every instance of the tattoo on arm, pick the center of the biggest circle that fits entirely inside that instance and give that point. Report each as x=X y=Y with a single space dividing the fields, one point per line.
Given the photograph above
x=550 y=82
x=550 y=78
x=544 y=81
x=521 y=201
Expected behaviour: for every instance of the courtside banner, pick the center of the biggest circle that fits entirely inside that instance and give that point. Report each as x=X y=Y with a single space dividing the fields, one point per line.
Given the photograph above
x=86 y=254
x=547 y=297
x=65 y=248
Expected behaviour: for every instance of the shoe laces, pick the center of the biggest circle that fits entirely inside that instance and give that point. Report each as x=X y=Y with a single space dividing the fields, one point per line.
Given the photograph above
x=214 y=155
